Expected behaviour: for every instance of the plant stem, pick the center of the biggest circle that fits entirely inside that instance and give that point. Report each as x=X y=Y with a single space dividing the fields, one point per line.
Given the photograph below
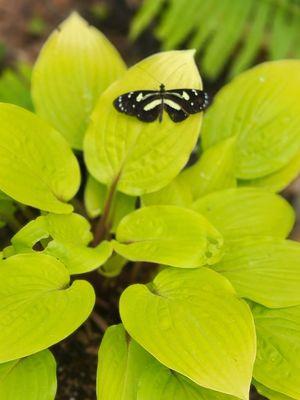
x=104 y=224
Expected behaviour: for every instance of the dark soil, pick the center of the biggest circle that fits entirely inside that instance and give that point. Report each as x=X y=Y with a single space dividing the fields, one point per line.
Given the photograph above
x=24 y=25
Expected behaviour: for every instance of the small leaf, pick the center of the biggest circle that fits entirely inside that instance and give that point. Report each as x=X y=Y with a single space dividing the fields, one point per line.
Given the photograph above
x=247 y=212
x=168 y=235
x=37 y=167
x=80 y=260
x=30 y=378
x=69 y=228
x=67 y=239
x=95 y=195
x=38 y=307
x=278 y=353
x=194 y=314
x=261 y=109
x=177 y=193
x=214 y=171
x=143 y=157
x=278 y=180
x=121 y=361
x=269 y=393
x=263 y=269
x=75 y=66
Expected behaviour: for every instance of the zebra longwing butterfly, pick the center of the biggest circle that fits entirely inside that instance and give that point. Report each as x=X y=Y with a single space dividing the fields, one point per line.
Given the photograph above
x=148 y=105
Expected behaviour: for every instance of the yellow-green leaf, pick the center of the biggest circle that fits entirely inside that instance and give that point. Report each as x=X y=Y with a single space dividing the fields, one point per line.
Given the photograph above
x=177 y=193
x=278 y=180
x=263 y=269
x=37 y=166
x=261 y=109
x=38 y=306
x=277 y=364
x=168 y=235
x=30 y=378
x=121 y=361
x=65 y=237
x=160 y=383
x=76 y=64
x=246 y=212
x=214 y=171
x=143 y=157
x=269 y=393
x=195 y=325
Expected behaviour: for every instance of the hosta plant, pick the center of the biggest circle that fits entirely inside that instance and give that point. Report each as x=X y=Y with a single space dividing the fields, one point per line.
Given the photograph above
x=221 y=308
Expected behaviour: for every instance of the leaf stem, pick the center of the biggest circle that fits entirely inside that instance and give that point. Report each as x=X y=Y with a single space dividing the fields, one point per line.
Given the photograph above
x=104 y=223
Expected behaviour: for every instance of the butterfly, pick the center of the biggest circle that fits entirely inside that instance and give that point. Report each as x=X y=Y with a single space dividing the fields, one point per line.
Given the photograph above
x=148 y=105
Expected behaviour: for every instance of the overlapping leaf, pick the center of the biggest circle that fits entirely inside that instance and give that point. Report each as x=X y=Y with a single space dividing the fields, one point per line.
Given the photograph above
x=30 y=378
x=168 y=235
x=214 y=171
x=278 y=180
x=247 y=211
x=127 y=372
x=269 y=393
x=32 y=168
x=143 y=157
x=120 y=365
x=261 y=109
x=196 y=326
x=65 y=237
x=263 y=269
x=75 y=66
x=278 y=353
x=38 y=307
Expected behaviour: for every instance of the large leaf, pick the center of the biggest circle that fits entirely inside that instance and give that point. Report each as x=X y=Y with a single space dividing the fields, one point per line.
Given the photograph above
x=263 y=269
x=278 y=180
x=168 y=235
x=38 y=307
x=214 y=171
x=260 y=108
x=121 y=362
x=65 y=237
x=75 y=65
x=143 y=157
x=177 y=193
x=37 y=167
x=247 y=211
x=269 y=393
x=30 y=378
x=196 y=326
x=278 y=354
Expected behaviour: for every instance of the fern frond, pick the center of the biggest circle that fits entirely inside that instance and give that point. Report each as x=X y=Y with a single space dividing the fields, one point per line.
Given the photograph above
x=226 y=33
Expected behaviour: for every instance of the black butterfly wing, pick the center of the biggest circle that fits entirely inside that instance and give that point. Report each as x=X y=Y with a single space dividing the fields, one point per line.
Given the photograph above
x=143 y=104
x=191 y=101
x=177 y=114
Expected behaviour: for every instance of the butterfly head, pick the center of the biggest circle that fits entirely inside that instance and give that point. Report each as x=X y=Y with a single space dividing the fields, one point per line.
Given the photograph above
x=162 y=87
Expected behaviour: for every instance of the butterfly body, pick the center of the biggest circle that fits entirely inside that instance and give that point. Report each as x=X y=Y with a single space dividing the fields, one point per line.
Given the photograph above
x=149 y=105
